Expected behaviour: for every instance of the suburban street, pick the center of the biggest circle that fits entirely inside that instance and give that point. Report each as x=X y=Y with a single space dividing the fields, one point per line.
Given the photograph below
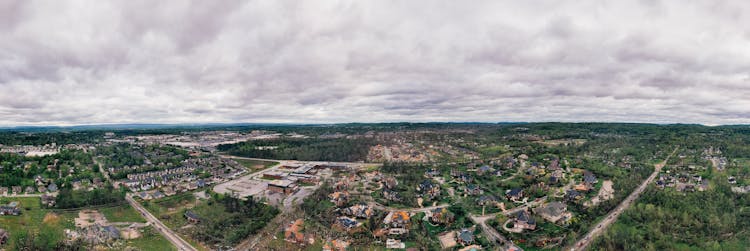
x=175 y=239
x=600 y=228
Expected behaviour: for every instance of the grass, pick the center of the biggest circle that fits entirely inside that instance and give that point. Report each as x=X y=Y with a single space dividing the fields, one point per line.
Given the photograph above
x=150 y=240
x=178 y=202
x=173 y=218
x=32 y=220
x=124 y=213
x=51 y=224
x=256 y=165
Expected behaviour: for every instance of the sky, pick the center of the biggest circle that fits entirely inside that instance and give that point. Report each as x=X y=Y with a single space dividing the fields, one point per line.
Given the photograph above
x=277 y=61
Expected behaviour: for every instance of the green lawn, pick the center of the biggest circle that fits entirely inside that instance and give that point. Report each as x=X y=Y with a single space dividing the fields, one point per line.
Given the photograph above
x=33 y=221
x=163 y=205
x=49 y=225
x=169 y=211
x=150 y=240
x=124 y=213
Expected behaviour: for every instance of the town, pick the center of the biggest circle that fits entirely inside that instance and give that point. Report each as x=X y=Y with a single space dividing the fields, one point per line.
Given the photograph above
x=444 y=188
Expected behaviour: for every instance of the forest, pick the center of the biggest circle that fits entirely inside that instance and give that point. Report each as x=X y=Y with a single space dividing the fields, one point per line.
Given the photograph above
x=343 y=150
x=669 y=220
x=231 y=219
x=68 y=198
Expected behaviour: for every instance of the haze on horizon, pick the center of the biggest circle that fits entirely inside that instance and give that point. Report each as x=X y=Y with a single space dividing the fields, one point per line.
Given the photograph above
x=100 y=62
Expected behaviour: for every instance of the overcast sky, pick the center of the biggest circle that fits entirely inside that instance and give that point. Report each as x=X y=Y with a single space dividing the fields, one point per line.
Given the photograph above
x=92 y=62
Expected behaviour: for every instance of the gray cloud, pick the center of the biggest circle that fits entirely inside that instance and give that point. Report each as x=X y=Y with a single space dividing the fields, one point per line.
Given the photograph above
x=85 y=62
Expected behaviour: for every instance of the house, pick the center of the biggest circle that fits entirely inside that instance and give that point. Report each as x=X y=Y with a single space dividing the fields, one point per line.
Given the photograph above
x=110 y=232
x=432 y=173
x=346 y=223
x=3 y=190
x=465 y=178
x=484 y=169
x=16 y=189
x=157 y=195
x=589 y=178
x=441 y=216
x=399 y=219
x=390 y=183
x=514 y=194
x=391 y=195
x=10 y=209
x=4 y=236
x=42 y=189
x=336 y=245
x=293 y=233
x=201 y=183
x=52 y=188
x=192 y=217
x=282 y=186
x=394 y=244
x=554 y=212
x=48 y=200
x=168 y=191
x=573 y=195
x=472 y=189
x=524 y=220
x=339 y=198
x=465 y=237
x=584 y=186
x=360 y=211
x=29 y=190
x=77 y=185
x=486 y=200
x=429 y=189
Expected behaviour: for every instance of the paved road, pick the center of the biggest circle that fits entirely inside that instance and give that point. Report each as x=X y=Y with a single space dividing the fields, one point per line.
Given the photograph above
x=175 y=239
x=21 y=195
x=490 y=232
x=600 y=228
x=380 y=207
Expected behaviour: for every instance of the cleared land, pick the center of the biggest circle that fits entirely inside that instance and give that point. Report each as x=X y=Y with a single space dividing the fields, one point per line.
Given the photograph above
x=255 y=165
x=50 y=225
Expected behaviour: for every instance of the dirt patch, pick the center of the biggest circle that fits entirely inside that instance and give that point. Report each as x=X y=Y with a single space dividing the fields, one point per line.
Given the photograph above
x=51 y=218
x=605 y=193
x=130 y=233
x=90 y=217
x=448 y=240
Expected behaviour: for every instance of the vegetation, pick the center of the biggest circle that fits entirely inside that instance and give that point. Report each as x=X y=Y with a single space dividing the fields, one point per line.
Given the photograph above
x=669 y=220
x=30 y=230
x=347 y=150
x=68 y=198
x=227 y=220
x=256 y=165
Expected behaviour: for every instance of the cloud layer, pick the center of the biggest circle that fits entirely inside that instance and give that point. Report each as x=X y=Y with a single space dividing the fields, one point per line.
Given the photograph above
x=89 y=62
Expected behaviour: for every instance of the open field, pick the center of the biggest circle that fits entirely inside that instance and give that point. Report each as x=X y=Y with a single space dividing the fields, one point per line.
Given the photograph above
x=49 y=225
x=124 y=213
x=255 y=165
x=150 y=240
x=32 y=220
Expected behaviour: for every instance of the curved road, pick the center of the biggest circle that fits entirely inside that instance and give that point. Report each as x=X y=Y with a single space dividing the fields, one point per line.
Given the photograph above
x=600 y=228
